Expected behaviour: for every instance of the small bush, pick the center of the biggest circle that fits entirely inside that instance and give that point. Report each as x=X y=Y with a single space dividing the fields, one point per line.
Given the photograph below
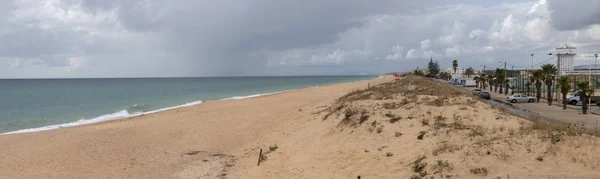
x=273 y=147
x=419 y=168
x=379 y=129
x=421 y=135
x=395 y=119
x=389 y=154
x=425 y=122
x=398 y=134
x=442 y=166
x=439 y=121
x=555 y=138
x=476 y=131
x=390 y=115
x=350 y=112
x=479 y=171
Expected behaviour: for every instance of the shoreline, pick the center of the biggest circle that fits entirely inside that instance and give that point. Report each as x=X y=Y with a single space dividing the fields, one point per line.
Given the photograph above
x=169 y=144
x=124 y=114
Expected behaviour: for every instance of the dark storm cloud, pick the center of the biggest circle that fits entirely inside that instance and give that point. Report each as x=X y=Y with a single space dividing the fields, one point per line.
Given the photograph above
x=237 y=37
x=573 y=15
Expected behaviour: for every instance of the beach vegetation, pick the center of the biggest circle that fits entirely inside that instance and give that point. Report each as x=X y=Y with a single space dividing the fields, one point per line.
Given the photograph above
x=479 y=171
x=273 y=147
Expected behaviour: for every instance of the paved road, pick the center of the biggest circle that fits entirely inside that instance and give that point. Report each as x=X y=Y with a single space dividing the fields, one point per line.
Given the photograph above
x=569 y=115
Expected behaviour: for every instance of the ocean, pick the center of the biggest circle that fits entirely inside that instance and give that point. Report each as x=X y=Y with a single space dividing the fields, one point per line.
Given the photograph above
x=28 y=105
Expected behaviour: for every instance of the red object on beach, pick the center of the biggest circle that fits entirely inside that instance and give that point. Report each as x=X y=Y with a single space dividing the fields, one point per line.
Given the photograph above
x=396 y=76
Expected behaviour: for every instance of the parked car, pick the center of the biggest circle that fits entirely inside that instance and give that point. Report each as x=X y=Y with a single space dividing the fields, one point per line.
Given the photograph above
x=515 y=98
x=485 y=95
x=476 y=91
x=576 y=100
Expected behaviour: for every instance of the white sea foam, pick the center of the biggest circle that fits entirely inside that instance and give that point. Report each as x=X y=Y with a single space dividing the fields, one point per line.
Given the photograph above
x=107 y=117
x=254 y=95
x=124 y=113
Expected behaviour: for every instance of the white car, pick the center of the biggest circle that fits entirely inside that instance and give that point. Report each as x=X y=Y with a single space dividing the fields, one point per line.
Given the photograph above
x=515 y=98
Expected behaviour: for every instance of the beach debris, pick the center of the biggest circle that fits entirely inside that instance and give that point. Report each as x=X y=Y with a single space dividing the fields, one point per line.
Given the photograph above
x=366 y=151
x=540 y=158
x=421 y=135
x=389 y=154
x=196 y=152
x=260 y=157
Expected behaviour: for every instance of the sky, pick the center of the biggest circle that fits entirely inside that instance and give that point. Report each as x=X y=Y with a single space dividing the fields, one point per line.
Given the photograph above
x=184 y=38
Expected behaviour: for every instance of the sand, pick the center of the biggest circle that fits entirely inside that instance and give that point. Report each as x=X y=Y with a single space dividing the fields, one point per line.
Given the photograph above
x=222 y=139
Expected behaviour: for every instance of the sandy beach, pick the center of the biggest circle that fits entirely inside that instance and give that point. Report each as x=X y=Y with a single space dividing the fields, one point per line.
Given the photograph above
x=395 y=130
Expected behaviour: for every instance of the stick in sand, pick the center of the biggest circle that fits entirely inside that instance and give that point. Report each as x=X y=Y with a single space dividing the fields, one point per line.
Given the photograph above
x=259 y=157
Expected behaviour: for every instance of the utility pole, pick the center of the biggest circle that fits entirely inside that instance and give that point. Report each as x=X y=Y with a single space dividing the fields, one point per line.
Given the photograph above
x=532 y=64
x=483 y=69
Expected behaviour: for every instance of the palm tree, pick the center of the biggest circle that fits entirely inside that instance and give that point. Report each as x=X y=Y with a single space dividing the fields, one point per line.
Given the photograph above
x=499 y=73
x=454 y=65
x=537 y=79
x=528 y=85
x=469 y=71
x=476 y=81
x=506 y=85
x=549 y=70
x=483 y=79
x=490 y=79
x=584 y=94
x=563 y=83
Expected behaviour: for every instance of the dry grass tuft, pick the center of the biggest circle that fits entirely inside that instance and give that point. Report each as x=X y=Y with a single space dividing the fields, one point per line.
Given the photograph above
x=476 y=131
x=439 y=121
x=442 y=166
x=445 y=147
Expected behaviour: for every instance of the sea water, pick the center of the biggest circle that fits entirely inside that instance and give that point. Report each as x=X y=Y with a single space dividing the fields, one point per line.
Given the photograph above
x=28 y=105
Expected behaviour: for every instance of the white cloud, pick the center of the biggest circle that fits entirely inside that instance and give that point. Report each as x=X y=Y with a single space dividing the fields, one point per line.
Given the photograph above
x=397 y=53
x=82 y=38
x=413 y=54
x=425 y=44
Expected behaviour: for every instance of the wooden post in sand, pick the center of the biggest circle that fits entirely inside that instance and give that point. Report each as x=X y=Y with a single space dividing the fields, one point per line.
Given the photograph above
x=259 y=157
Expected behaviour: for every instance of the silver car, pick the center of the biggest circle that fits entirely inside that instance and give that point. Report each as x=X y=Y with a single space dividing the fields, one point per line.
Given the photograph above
x=516 y=98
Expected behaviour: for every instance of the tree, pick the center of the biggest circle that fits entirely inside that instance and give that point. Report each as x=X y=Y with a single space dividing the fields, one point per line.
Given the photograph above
x=549 y=70
x=499 y=74
x=454 y=65
x=483 y=79
x=433 y=67
x=445 y=75
x=419 y=72
x=537 y=79
x=563 y=84
x=506 y=85
x=469 y=71
x=476 y=81
x=490 y=79
x=584 y=95
x=528 y=85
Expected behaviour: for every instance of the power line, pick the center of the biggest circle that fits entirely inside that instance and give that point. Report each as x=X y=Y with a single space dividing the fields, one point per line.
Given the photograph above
x=525 y=66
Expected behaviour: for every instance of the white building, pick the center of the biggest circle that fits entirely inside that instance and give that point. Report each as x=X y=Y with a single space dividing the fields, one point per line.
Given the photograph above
x=450 y=70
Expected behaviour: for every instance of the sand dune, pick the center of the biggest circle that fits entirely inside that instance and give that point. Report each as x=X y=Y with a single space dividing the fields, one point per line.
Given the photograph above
x=369 y=133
